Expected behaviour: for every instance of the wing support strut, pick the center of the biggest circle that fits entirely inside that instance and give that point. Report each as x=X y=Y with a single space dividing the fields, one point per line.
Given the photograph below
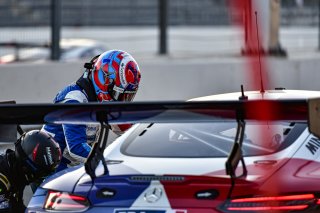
x=236 y=156
x=96 y=153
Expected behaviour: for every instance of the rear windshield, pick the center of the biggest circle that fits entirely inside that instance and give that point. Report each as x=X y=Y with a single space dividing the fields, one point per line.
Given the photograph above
x=209 y=139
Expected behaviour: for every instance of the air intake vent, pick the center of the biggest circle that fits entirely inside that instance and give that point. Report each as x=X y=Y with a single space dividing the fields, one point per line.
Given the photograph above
x=159 y=178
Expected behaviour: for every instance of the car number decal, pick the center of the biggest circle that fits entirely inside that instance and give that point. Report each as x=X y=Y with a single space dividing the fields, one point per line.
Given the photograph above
x=313 y=145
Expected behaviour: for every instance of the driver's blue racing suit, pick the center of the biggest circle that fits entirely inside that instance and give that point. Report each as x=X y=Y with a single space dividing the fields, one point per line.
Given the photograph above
x=74 y=139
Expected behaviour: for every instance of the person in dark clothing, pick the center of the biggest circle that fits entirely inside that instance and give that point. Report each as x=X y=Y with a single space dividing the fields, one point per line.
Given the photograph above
x=36 y=155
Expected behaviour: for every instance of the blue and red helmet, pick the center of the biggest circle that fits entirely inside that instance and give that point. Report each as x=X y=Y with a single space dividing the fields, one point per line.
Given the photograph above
x=115 y=76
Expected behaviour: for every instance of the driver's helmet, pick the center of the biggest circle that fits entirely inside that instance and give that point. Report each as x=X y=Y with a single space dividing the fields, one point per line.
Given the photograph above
x=115 y=76
x=38 y=154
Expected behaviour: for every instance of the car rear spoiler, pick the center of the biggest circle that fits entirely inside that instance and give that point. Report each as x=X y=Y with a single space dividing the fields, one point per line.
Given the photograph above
x=153 y=112
x=314 y=116
x=159 y=112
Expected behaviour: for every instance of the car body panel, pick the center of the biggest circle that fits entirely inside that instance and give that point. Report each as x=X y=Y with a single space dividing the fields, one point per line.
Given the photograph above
x=136 y=184
x=280 y=94
x=66 y=179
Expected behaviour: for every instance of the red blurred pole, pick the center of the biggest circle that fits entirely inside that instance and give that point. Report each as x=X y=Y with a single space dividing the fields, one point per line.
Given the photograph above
x=257 y=69
x=257 y=72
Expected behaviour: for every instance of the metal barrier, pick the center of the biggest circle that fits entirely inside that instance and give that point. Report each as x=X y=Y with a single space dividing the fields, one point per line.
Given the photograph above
x=33 y=18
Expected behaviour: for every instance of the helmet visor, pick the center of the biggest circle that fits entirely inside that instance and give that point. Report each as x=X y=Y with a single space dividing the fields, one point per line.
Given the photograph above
x=119 y=94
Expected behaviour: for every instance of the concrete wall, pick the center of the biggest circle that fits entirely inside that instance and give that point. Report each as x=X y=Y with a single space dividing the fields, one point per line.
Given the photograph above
x=163 y=78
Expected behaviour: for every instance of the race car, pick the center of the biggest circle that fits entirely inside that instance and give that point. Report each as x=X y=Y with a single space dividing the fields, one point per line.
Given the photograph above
x=214 y=154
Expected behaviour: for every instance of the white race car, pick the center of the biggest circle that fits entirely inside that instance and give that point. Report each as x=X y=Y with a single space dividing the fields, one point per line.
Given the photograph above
x=239 y=152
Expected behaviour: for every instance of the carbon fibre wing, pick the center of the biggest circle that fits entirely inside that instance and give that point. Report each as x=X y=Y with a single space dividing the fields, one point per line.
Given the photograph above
x=148 y=112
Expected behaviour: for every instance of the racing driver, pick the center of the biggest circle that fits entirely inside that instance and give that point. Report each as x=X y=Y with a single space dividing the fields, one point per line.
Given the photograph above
x=112 y=76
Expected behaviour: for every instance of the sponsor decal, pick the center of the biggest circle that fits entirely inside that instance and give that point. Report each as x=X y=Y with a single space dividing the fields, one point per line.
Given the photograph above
x=118 y=89
x=122 y=71
x=122 y=74
x=49 y=155
x=45 y=159
x=313 y=145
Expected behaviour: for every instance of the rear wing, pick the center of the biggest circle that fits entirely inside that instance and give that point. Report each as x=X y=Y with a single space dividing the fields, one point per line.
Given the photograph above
x=314 y=116
x=162 y=112
x=153 y=112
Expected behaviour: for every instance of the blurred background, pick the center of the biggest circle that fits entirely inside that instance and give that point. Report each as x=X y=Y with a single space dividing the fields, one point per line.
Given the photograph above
x=201 y=26
x=185 y=48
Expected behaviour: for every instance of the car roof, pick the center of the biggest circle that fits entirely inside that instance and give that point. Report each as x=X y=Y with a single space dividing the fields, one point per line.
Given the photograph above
x=277 y=94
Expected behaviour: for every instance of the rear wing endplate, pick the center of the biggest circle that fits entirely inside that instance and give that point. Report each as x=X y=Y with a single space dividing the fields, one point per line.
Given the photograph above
x=314 y=116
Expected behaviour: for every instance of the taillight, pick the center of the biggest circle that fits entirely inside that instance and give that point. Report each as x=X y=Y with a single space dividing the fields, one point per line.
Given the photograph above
x=63 y=201
x=285 y=203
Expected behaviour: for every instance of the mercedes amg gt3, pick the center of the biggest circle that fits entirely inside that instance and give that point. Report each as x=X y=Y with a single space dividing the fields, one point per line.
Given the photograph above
x=239 y=152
